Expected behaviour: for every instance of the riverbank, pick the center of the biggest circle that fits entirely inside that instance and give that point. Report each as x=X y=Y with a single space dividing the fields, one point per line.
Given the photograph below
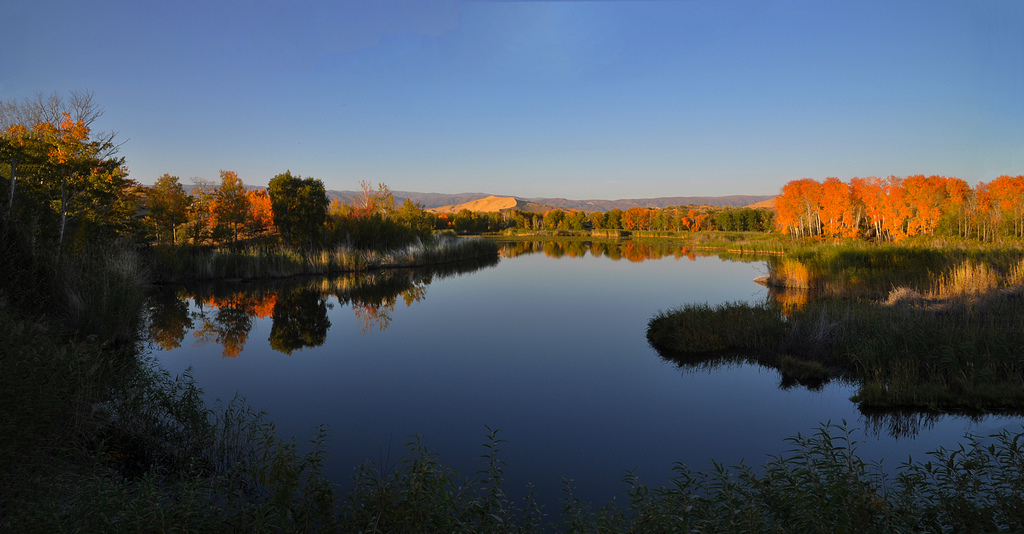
x=246 y=263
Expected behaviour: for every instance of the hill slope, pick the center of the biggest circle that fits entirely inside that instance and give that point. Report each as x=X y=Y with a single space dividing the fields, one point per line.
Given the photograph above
x=539 y=205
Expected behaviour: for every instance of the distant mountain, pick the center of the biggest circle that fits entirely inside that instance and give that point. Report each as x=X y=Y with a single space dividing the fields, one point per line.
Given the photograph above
x=659 y=202
x=492 y=204
x=770 y=204
x=436 y=200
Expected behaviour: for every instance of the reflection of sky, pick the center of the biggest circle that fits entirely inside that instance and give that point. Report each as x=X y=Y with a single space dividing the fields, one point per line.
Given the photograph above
x=553 y=353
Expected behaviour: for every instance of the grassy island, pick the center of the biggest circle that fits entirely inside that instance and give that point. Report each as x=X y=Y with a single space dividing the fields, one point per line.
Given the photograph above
x=913 y=326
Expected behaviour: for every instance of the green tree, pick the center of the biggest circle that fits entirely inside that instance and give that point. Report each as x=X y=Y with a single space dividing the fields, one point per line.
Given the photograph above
x=200 y=211
x=613 y=219
x=464 y=221
x=299 y=206
x=576 y=220
x=168 y=205
x=300 y=321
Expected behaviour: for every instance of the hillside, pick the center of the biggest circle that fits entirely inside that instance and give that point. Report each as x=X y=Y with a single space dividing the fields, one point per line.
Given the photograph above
x=769 y=204
x=492 y=204
x=540 y=205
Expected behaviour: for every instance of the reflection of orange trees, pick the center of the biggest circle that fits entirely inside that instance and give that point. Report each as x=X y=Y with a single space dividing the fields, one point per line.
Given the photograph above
x=685 y=251
x=231 y=319
x=257 y=305
x=636 y=253
x=374 y=315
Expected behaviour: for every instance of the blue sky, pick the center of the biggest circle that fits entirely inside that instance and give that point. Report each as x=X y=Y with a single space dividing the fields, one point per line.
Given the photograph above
x=578 y=99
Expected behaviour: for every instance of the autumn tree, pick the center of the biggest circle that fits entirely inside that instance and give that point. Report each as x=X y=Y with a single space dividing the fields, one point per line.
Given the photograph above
x=370 y=201
x=261 y=214
x=925 y=198
x=84 y=179
x=50 y=139
x=635 y=218
x=960 y=203
x=1007 y=194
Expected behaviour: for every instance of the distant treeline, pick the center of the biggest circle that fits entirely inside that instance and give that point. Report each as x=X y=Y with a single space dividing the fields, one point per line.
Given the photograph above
x=672 y=219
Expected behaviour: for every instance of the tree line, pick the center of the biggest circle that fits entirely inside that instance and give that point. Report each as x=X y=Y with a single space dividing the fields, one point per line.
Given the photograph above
x=892 y=209
x=670 y=219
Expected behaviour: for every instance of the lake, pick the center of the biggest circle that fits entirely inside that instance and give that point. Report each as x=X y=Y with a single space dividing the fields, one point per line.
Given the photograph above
x=547 y=345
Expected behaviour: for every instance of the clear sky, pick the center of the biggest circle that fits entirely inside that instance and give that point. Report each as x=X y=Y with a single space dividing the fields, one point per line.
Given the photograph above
x=580 y=99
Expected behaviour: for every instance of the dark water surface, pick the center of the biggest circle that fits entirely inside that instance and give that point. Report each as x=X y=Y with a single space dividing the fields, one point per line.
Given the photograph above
x=550 y=350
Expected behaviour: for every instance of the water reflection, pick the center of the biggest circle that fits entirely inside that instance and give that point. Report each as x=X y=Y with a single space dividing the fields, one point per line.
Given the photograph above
x=794 y=373
x=223 y=313
x=614 y=250
x=635 y=251
x=299 y=320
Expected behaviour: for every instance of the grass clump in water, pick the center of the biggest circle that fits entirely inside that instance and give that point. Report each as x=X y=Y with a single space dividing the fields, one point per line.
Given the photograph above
x=695 y=328
x=951 y=346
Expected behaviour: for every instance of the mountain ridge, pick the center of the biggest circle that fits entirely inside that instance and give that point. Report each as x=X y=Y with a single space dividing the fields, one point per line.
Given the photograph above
x=437 y=200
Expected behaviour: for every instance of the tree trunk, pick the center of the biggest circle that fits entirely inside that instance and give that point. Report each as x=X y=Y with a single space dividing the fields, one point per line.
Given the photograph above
x=63 y=214
x=10 y=195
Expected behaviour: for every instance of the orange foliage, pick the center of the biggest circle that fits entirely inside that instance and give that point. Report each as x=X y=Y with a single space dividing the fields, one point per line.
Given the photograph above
x=261 y=214
x=636 y=253
x=637 y=218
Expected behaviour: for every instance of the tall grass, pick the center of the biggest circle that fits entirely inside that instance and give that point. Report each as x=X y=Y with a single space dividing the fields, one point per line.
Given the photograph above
x=186 y=263
x=856 y=269
x=955 y=345
x=102 y=291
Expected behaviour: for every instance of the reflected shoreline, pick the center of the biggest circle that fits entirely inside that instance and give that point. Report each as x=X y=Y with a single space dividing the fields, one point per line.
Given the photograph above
x=223 y=312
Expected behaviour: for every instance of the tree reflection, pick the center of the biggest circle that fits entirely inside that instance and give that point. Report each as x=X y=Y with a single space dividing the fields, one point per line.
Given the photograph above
x=631 y=250
x=299 y=321
x=167 y=319
x=224 y=313
x=227 y=325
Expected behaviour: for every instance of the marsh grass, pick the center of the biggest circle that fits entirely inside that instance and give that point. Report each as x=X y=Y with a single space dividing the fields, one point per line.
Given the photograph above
x=696 y=328
x=194 y=263
x=739 y=242
x=862 y=270
x=953 y=345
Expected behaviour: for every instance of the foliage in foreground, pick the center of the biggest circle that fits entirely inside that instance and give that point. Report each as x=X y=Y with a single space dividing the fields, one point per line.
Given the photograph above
x=161 y=461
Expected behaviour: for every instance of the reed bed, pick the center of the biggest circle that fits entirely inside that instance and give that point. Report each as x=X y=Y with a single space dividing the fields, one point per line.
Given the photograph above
x=952 y=346
x=862 y=270
x=739 y=242
x=275 y=262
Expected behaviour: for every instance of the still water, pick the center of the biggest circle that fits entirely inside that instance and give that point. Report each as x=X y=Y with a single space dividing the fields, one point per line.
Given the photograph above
x=547 y=345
